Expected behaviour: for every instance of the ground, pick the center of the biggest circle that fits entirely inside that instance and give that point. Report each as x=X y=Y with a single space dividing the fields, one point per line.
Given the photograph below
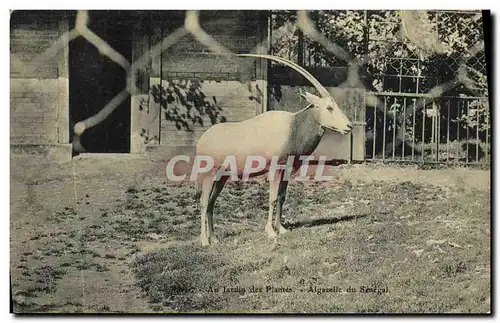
x=110 y=234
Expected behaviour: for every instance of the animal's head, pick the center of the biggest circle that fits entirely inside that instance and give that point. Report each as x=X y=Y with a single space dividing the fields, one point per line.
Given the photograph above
x=330 y=115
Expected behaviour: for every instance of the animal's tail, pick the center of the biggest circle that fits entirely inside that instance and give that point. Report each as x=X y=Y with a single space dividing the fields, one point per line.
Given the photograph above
x=197 y=188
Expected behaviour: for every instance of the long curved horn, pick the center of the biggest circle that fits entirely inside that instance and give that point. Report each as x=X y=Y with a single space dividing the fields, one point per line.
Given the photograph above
x=322 y=91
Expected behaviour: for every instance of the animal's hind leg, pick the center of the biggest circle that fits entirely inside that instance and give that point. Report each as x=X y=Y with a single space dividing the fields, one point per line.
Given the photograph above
x=216 y=189
x=279 y=206
x=207 y=185
x=273 y=198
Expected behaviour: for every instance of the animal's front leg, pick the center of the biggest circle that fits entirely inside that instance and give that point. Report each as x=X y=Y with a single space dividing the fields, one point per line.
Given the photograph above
x=216 y=189
x=273 y=199
x=210 y=224
x=204 y=204
x=279 y=207
x=203 y=235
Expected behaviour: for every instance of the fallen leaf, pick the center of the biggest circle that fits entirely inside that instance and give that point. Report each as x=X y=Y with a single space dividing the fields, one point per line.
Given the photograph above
x=434 y=242
x=418 y=252
x=453 y=244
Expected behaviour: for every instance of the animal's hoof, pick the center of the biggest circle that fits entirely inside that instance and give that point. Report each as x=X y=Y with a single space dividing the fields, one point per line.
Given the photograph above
x=214 y=240
x=204 y=241
x=270 y=231
x=283 y=230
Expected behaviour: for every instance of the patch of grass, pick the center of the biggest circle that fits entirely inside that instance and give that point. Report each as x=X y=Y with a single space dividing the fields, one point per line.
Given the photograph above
x=132 y=190
x=100 y=268
x=180 y=279
x=428 y=245
x=45 y=278
x=64 y=215
x=405 y=237
x=453 y=269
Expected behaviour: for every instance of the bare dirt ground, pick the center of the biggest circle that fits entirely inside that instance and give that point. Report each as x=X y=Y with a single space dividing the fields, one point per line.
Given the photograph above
x=110 y=234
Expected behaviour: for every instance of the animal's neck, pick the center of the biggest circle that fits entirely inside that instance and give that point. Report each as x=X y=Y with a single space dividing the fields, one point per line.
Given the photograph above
x=309 y=115
x=306 y=131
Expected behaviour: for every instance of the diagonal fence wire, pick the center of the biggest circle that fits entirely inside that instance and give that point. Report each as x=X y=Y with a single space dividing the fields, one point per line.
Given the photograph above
x=191 y=26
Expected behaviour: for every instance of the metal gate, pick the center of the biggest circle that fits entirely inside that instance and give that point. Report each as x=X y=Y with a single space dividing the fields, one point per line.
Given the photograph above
x=424 y=129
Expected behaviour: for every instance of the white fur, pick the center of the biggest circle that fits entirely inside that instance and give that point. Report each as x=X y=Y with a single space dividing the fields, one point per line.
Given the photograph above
x=274 y=134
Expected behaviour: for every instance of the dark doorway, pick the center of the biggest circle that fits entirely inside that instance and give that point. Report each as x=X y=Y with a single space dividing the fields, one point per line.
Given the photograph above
x=95 y=80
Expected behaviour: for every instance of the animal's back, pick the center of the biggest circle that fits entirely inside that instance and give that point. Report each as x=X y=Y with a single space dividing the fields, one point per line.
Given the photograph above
x=264 y=135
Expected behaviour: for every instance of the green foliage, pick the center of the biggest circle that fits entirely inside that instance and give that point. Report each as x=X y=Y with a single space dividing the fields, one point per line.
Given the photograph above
x=427 y=44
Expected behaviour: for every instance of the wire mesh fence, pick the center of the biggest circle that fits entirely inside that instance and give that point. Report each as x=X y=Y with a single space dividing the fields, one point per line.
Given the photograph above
x=423 y=73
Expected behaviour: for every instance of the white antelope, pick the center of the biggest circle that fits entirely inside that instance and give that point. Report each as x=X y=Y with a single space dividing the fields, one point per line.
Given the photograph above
x=273 y=134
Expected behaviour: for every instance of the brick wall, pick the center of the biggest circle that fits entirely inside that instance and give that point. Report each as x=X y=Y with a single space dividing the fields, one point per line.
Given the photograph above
x=36 y=94
x=228 y=85
x=225 y=100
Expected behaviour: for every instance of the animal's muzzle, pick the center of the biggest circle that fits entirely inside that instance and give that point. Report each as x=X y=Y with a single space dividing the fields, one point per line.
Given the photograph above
x=348 y=128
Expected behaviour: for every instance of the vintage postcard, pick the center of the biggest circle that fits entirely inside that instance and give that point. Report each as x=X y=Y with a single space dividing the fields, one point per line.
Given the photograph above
x=250 y=161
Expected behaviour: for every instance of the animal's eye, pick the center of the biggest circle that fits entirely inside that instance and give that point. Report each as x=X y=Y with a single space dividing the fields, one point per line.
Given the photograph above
x=330 y=108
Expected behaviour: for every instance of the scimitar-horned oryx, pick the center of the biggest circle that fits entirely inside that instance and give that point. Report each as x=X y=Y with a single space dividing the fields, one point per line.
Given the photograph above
x=273 y=134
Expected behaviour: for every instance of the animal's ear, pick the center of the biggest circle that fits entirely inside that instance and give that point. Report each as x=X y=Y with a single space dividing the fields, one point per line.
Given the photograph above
x=311 y=98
